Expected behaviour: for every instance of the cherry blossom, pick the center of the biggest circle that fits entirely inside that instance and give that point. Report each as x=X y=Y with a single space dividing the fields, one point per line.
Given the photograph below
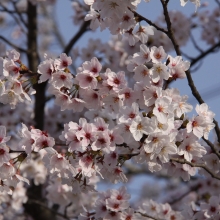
x=135 y=121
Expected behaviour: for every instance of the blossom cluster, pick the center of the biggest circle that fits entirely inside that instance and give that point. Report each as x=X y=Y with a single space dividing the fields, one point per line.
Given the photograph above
x=144 y=121
x=9 y=176
x=107 y=14
x=152 y=118
x=109 y=117
x=14 y=86
x=118 y=17
x=210 y=23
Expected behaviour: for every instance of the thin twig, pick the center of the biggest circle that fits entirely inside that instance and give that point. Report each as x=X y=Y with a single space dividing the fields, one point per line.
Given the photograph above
x=16 y=151
x=202 y=55
x=13 y=45
x=212 y=147
x=67 y=206
x=191 y=84
x=142 y=18
x=183 y=161
x=147 y=216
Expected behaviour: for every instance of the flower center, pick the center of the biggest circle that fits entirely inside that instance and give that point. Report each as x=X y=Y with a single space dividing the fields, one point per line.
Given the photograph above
x=139 y=126
x=2 y=151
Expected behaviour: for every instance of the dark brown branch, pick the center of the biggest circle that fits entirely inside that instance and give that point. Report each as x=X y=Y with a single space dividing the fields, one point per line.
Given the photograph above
x=81 y=31
x=169 y=32
x=16 y=151
x=132 y=170
x=33 y=64
x=212 y=147
x=205 y=53
x=196 y=68
x=191 y=84
x=37 y=212
x=142 y=18
x=47 y=208
x=183 y=161
x=13 y=45
x=147 y=216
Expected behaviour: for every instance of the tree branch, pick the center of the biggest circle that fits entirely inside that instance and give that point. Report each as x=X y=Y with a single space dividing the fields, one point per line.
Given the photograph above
x=183 y=161
x=47 y=208
x=212 y=147
x=13 y=45
x=202 y=55
x=141 y=18
x=191 y=84
x=147 y=216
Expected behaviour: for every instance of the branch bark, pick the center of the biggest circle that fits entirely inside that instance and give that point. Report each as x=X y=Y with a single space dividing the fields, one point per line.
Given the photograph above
x=35 y=192
x=183 y=161
x=32 y=57
x=191 y=84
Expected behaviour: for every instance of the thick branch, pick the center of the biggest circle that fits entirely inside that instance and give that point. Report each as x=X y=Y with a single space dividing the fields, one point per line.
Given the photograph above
x=47 y=208
x=40 y=98
x=35 y=192
x=183 y=161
